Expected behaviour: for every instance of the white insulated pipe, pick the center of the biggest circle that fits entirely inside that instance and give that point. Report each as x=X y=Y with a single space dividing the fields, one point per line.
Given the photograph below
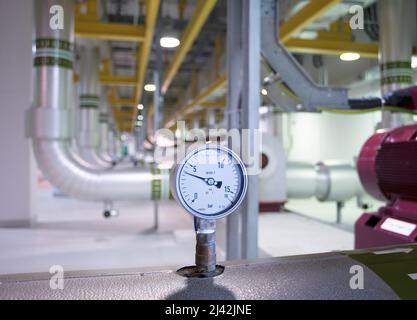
x=89 y=90
x=51 y=120
x=336 y=182
x=395 y=42
x=105 y=135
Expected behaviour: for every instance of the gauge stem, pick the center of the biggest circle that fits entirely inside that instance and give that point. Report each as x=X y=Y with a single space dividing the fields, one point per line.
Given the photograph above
x=205 y=252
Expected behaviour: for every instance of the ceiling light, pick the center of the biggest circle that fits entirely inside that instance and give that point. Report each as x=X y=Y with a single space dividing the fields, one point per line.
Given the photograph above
x=169 y=42
x=140 y=106
x=150 y=87
x=349 y=56
x=140 y=117
x=264 y=92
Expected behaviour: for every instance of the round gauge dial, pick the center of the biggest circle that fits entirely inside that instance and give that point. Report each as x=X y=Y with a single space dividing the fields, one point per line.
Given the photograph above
x=210 y=182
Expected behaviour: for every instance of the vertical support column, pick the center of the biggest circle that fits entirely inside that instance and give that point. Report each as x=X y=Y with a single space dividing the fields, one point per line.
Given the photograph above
x=396 y=48
x=250 y=120
x=234 y=62
x=157 y=98
x=17 y=170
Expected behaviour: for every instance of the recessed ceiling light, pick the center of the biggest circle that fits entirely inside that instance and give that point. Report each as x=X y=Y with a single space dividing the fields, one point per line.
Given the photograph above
x=150 y=87
x=169 y=42
x=264 y=92
x=140 y=106
x=349 y=56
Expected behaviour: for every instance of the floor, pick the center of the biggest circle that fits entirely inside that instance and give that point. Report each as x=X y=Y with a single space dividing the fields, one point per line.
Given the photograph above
x=74 y=235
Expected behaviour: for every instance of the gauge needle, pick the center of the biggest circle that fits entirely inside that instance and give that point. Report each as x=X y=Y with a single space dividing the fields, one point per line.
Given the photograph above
x=209 y=181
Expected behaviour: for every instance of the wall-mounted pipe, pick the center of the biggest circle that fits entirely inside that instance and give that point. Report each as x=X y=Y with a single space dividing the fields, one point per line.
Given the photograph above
x=50 y=122
x=334 y=181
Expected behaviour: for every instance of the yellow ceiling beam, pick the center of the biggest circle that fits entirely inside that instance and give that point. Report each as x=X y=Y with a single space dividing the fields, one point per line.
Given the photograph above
x=109 y=31
x=197 y=114
x=86 y=10
x=122 y=102
x=217 y=84
x=306 y=15
x=152 y=8
x=110 y=80
x=197 y=21
x=215 y=104
x=332 y=47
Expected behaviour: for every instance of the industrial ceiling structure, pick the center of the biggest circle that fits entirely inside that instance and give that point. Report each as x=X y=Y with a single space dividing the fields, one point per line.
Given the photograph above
x=128 y=28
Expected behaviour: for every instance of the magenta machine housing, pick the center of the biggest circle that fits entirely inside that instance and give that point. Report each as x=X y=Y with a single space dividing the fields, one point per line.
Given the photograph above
x=387 y=167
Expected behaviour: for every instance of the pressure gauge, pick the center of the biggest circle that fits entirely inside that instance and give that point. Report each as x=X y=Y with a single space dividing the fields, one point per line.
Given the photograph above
x=211 y=182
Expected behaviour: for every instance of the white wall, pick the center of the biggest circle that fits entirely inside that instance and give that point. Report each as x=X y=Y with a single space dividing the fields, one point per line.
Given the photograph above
x=16 y=163
x=318 y=137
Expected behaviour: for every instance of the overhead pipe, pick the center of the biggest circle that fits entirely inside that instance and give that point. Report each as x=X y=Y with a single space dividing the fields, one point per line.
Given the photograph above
x=312 y=95
x=50 y=118
x=395 y=53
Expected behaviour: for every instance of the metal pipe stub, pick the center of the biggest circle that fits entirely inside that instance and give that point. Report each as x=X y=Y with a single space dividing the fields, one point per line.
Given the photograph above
x=205 y=252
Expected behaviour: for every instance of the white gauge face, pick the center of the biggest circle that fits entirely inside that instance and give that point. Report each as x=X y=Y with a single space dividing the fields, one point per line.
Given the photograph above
x=211 y=182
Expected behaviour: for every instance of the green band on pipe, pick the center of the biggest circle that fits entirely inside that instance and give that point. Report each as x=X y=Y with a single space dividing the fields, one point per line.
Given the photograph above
x=49 y=43
x=52 y=61
x=156 y=183
x=89 y=101
x=397 y=79
x=88 y=106
x=396 y=65
x=53 y=52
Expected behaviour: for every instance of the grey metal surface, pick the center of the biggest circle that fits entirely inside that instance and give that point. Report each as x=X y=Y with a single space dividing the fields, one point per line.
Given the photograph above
x=322 y=276
x=291 y=72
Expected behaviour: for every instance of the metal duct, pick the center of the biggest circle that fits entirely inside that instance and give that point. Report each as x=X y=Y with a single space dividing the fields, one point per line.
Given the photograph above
x=89 y=133
x=310 y=277
x=50 y=118
x=301 y=180
x=395 y=39
x=291 y=72
x=336 y=182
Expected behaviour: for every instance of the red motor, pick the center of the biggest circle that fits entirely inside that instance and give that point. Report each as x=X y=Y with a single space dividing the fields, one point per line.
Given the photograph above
x=387 y=167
